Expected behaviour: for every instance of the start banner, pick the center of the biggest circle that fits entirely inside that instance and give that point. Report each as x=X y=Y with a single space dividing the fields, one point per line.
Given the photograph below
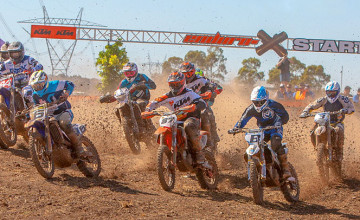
x=56 y=32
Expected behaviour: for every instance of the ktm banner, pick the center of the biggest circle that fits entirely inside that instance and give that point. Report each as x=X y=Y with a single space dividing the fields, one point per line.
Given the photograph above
x=57 y=32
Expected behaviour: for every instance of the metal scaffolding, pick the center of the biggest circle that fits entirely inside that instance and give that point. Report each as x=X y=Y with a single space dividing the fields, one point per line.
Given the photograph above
x=60 y=60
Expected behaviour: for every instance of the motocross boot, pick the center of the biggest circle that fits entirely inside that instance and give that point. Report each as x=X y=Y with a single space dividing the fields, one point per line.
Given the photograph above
x=201 y=160
x=285 y=166
x=76 y=143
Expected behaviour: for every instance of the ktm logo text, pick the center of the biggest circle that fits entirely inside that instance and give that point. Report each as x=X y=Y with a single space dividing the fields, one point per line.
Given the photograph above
x=181 y=102
x=42 y=32
x=218 y=39
x=65 y=33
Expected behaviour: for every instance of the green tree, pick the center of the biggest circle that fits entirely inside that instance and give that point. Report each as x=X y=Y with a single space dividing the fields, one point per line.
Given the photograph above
x=215 y=63
x=197 y=57
x=315 y=76
x=249 y=72
x=171 y=65
x=110 y=63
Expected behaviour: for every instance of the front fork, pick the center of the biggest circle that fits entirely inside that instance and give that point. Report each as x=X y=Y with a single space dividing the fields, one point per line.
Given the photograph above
x=258 y=161
x=173 y=143
x=48 y=144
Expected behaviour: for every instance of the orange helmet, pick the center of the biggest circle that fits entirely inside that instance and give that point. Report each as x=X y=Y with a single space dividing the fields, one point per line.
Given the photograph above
x=176 y=82
x=188 y=69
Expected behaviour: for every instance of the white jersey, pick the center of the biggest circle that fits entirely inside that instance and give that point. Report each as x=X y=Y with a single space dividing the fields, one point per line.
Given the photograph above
x=198 y=84
x=27 y=64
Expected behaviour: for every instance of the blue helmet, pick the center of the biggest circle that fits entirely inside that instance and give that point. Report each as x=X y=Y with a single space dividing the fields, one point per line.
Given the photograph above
x=259 y=97
x=332 y=90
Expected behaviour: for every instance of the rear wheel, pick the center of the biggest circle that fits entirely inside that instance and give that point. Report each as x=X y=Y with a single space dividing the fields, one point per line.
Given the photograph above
x=208 y=178
x=255 y=183
x=42 y=161
x=322 y=163
x=165 y=169
x=8 y=134
x=291 y=189
x=90 y=166
x=130 y=137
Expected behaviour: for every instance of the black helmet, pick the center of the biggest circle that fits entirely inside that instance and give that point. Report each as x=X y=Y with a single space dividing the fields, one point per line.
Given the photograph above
x=16 y=51
x=4 y=53
x=176 y=82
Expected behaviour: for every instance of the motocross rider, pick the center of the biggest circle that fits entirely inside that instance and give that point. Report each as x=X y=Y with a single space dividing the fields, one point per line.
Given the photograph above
x=178 y=97
x=19 y=62
x=4 y=53
x=267 y=113
x=45 y=91
x=332 y=102
x=139 y=85
x=200 y=85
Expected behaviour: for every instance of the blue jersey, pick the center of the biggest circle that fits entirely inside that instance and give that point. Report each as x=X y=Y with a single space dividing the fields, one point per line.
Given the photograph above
x=142 y=92
x=272 y=113
x=52 y=92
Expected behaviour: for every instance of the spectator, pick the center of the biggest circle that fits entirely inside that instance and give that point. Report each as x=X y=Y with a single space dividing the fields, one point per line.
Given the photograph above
x=300 y=92
x=347 y=92
x=280 y=93
x=309 y=93
x=289 y=91
x=284 y=66
x=356 y=97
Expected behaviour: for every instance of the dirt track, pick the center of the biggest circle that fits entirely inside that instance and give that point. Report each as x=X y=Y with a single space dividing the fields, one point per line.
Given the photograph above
x=128 y=186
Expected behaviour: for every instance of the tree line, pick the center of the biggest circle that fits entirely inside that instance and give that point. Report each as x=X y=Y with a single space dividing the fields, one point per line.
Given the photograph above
x=213 y=63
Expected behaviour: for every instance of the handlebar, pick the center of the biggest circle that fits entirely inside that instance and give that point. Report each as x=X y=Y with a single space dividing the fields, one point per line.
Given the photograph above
x=251 y=130
x=181 y=111
x=312 y=114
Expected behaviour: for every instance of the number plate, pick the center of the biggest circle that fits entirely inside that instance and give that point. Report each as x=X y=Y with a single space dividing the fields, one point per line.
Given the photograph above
x=252 y=137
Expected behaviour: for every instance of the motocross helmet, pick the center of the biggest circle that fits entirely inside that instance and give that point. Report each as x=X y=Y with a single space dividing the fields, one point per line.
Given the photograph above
x=176 y=82
x=259 y=98
x=38 y=80
x=16 y=51
x=332 y=90
x=199 y=72
x=188 y=69
x=4 y=53
x=130 y=71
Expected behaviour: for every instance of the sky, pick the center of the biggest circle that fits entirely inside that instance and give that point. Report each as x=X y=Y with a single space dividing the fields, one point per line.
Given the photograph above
x=321 y=19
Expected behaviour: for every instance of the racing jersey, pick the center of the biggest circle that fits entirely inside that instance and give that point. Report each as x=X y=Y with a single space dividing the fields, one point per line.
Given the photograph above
x=272 y=113
x=185 y=98
x=52 y=92
x=201 y=85
x=143 y=91
x=28 y=64
x=343 y=102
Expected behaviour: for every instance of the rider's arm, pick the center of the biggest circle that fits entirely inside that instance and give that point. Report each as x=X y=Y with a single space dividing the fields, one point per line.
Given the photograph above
x=68 y=87
x=160 y=101
x=347 y=104
x=246 y=116
x=280 y=111
x=149 y=84
x=316 y=104
x=35 y=65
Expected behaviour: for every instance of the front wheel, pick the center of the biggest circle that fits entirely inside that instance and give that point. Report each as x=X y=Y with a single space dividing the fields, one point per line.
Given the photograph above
x=208 y=178
x=322 y=163
x=90 y=166
x=8 y=134
x=130 y=137
x=255 y=183
x=165 y=169
x=291 y=190
x=42 y=161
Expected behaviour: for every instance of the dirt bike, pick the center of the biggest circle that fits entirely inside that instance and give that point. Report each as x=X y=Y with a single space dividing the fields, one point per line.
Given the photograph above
x=263 y=166
x=50 y=146
x=175 y=151
x=125 y=111
x=324 y=138
x=13 y=102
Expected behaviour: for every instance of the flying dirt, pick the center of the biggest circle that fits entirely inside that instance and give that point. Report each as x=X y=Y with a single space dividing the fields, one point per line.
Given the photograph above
x=128 y=186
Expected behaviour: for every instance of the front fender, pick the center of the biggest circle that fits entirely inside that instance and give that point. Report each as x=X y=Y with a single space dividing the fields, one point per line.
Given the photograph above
x=37 y=125
x=167 y=136
x=320 y=130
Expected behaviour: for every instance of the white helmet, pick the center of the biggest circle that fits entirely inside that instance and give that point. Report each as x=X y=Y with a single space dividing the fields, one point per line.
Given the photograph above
x=259 y=97
x=332 y=90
